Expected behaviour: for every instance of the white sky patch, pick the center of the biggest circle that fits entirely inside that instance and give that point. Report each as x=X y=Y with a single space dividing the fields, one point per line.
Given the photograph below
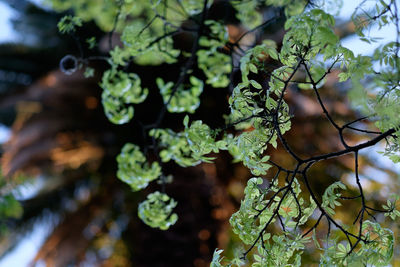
x=350 y=5
x=26 y=250
x=37 y=2
x=377 y=175
x=5 y=133
x=7 y=33
x=46 y=5
x=373 y=154
x=350 y=179
x=353 y=42
x=30 y=189
x=370 y=173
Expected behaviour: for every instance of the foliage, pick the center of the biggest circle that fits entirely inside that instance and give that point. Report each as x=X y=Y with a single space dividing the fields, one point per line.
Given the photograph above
x=133 y=168
x=119 y=90
x=216 y=66
x=10 y=207
x=259 y=114
x=68 y=24
x=179 y=100
x=156 y=211
x=176 y=147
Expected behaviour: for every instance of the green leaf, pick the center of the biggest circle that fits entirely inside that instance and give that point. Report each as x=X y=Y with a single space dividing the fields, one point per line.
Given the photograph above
x=119 y=90
x=255 y=84
x=68 y=24
x=134 y=169
x=156 y=211
x=10 y=207
x=181 y=99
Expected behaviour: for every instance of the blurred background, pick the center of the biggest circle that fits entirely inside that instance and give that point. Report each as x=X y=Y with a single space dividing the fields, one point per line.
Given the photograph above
x=61 y=203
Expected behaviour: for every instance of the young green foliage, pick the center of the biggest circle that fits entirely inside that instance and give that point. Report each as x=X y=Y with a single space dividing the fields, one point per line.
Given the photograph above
x=174 y=147
x=377 y=251
x=201 y=141
x=182 y=100
x=68 y=24
x=331 y=196
x=216 y=65
x=259 y=112
x=248 y=148
x=119 y=90
x=156 y=211
x=134 y=169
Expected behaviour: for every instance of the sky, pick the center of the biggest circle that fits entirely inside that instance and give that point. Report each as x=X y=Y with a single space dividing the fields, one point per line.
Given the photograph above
x=353 y=42
x=6 y=31
x=30 y=244
x=26 y=250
